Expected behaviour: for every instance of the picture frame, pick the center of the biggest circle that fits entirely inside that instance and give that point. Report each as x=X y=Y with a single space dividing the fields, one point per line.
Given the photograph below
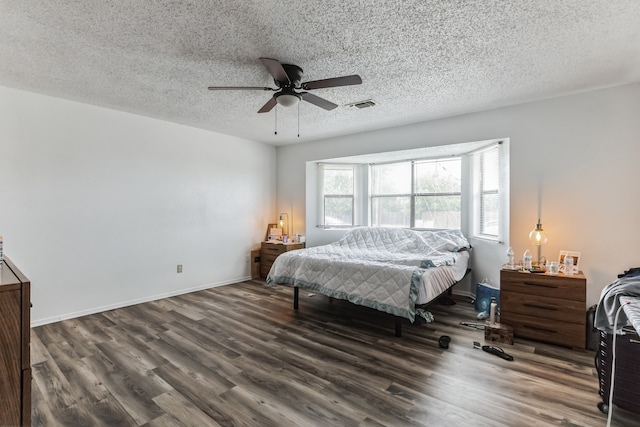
x=576 y=260
x=267 y=233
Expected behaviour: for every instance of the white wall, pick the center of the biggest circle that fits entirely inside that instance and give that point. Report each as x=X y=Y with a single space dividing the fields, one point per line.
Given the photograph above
x=97 y=207
x=573 y=162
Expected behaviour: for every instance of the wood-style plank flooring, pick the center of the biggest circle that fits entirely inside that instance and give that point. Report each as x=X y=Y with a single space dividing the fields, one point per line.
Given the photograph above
x=238 y=355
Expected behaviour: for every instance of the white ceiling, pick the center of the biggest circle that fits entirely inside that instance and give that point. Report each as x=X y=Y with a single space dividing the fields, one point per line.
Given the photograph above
x=419 y=60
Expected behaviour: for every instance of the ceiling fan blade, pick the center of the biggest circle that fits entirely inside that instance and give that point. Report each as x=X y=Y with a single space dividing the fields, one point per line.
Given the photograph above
x=276 y=69
x=336 y=81
x=268 y=106
x=316 y=100
x=239 y=88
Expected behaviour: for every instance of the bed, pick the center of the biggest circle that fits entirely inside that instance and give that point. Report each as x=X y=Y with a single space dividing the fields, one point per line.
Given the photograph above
x=393 y=270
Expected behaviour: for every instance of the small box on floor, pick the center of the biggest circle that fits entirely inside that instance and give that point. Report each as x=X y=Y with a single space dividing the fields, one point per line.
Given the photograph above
x=498 y=332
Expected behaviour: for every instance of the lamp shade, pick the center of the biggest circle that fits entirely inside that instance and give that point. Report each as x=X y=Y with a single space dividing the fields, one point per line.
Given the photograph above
x=287 y=99
x=284 y=223
x=538 y=236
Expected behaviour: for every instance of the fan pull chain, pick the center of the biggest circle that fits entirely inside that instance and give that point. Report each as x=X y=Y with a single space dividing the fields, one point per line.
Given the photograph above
x=276 y=121
x=298 y=120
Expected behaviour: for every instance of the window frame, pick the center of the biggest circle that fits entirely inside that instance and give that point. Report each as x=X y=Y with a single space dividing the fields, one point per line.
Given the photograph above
x=413 y=194
x=479 y=202
x=361 y=162
x=337 y=166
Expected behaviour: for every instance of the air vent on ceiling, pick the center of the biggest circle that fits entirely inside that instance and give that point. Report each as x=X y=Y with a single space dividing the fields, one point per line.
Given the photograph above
x=362 y=104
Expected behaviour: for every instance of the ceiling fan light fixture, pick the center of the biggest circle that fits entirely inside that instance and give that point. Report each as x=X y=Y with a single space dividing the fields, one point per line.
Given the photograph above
x=287 y=99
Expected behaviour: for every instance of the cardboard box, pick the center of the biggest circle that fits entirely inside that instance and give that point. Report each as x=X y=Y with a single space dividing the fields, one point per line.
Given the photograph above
x=498 y=332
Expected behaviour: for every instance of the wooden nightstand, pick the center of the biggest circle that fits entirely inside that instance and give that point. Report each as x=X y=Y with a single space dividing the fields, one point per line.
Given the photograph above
x=545 y=307
x=270 y=251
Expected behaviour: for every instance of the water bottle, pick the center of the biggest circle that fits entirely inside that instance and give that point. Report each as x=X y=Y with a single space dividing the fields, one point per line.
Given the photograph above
x=527 y=259
x=492 y=312
x=510 y=261
x=568 y=265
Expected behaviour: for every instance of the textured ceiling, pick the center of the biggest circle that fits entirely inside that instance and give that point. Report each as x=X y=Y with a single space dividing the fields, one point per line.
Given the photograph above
x=419 y=60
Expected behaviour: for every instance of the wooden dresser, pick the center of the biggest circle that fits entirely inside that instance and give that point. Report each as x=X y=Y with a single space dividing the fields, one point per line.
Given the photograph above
x=15 y=363
x=270 y=251
x=545 y=307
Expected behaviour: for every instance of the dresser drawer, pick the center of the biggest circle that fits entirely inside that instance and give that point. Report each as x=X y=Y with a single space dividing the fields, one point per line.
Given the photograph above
x=560 y=286
x=548 y=330
x=543 y=307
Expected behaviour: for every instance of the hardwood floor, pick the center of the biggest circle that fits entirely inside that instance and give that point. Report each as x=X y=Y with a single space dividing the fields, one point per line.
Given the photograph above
x=240 y=355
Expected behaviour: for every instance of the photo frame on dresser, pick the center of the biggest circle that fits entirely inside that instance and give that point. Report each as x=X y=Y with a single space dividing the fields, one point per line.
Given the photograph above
x=576 y=260
x=268 y=234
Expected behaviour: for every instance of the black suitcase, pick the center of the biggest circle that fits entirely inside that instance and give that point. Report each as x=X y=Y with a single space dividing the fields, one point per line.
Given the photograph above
x=593 y=335
x=627 y=372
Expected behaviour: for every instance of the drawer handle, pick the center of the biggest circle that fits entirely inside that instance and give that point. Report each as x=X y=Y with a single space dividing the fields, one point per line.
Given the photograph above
x=541 y=307
x=541 y=285
x=540 y=329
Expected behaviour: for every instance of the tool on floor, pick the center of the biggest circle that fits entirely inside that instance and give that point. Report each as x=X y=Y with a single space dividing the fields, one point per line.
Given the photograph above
x=497 y=351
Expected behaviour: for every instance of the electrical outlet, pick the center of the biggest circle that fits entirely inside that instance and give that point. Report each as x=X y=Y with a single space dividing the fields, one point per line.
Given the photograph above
x=247 y=259
x=179 y=268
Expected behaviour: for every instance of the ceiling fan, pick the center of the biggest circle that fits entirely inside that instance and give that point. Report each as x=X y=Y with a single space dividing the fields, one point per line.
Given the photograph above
x=290 y=89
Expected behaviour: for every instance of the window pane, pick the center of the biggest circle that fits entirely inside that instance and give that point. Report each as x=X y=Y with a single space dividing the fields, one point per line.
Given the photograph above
x=338 y=181
x=489 y=192
x=441 y=176
x=338 y=210
x=437 y=212
x=393 y=178
x=390 y=211
x=489 y=165
x=490 y=214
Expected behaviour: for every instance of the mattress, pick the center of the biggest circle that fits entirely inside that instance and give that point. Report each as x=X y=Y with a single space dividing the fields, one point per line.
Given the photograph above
x=435 y=281
x=388 y=269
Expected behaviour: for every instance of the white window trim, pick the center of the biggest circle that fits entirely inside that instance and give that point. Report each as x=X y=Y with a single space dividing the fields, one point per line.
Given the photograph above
x=358 y=194
x=503 y=209
x=464 y=150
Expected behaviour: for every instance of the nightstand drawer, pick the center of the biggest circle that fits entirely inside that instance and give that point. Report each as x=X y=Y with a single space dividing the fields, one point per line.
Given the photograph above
x=270 y=251
x=273 y=249
x=540 y=306
x=548 y=330
x=269 y=257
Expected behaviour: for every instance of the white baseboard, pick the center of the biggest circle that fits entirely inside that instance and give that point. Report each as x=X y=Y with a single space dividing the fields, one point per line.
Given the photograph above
x=94 y=310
